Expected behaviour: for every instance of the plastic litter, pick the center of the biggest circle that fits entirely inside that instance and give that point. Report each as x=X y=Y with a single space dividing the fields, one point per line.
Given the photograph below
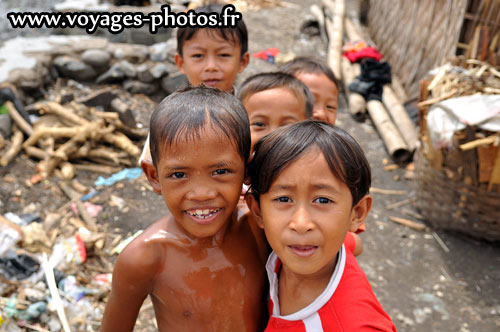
x=68 y=251
x=125 y=174
x=118 y=249
x=17 y=267
x=268 y=55
x=33 y=311
x=92 y=209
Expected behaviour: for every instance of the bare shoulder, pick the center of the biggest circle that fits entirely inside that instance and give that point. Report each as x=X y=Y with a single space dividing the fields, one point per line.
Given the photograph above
x=146 y=253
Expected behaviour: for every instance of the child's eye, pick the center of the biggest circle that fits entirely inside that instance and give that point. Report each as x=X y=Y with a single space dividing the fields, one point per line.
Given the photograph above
x=259 y=124
x=283 y=199
x=222 y=171
x=197 y=55
x=323 y=200
x=177 y=175
x=330 y=107
x=225 y=55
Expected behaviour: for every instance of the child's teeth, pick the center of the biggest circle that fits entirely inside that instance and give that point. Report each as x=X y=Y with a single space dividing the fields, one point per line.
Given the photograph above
x=206 y=211
x=199 y=212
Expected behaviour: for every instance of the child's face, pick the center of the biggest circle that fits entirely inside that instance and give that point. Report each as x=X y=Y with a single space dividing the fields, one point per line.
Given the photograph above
x=306 y=214
x=210 y=59
x=270 y=109
x=325 y=93
x=200 y=181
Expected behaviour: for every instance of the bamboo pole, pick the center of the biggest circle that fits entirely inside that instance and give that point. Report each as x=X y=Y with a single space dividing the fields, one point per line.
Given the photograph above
x=335 y=30
x=393 y=141
x=400 y=118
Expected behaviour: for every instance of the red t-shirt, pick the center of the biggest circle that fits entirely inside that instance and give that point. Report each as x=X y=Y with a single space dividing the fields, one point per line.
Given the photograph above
x=347 y=303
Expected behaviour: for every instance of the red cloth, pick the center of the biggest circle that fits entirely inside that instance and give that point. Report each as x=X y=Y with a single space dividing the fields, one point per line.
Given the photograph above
x=367 y=52
x=347 y=304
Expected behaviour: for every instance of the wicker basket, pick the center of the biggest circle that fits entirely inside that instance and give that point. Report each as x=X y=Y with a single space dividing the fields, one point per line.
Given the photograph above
x=455 y=206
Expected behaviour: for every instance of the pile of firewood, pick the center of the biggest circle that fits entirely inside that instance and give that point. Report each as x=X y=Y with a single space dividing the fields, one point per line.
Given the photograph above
x=76 y=135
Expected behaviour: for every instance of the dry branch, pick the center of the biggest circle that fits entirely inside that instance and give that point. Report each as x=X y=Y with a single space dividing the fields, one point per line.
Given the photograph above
x=123 y=142
x=14 y=148
x=18 y=119
x=409 y=223
x=61 y=111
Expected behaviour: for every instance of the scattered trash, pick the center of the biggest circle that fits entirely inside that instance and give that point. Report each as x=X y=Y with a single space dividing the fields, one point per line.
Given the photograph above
x=268 y=55
x=92 y=209
x=17 y=267
x=125 y=174
x=68 y=251
x=118 y=249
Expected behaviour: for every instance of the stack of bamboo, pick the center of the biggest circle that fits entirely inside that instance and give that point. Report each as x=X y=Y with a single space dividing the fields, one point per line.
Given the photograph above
x=390 y=117
x=72 y=136
x=459 y=185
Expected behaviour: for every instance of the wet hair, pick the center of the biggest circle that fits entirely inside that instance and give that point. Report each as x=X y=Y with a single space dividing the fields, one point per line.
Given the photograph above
x=280 y=148
x=267 y=81
x=308 y=65
x=235 y=35
x=183 y=114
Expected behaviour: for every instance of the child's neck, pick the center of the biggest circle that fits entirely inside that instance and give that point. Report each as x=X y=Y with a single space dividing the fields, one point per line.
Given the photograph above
x=297 y=291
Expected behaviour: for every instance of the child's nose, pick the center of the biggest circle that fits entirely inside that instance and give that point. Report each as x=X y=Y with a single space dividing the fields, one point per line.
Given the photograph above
x=211 y=63
x=201 y=193
x=302 y=221
x=319 y=113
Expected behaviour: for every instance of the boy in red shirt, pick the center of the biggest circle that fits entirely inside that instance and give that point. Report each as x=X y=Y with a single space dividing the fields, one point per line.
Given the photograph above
x=310 y=187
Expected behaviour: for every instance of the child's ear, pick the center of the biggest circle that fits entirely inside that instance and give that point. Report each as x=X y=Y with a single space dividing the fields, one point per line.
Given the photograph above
x=150 y=170
x=254 y=207
x=179 y=61
x=360 y=212
x=244 y=61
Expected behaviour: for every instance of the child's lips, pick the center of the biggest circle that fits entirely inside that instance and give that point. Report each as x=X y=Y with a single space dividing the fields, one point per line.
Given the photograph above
x=303 y=250
x=211 y=82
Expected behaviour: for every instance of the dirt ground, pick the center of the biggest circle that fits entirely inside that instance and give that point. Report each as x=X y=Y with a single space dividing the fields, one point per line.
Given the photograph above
x=424 y=284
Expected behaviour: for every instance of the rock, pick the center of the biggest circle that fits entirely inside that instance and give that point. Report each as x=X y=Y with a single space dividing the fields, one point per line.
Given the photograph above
x=159 y=70
x=118 y=72
x=101 y=97
x=144 y=73
x=73 y=68
x=131 y=53
x=141 y=37
x=171 y=83
x=162 y=51
x=96 y=58
x=124 y=113
x=134 y=86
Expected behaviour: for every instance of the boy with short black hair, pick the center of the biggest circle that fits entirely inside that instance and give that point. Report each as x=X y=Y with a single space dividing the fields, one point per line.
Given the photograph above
x=200 y=264
x=310 y=187
x=319 y=78
x=273 y=100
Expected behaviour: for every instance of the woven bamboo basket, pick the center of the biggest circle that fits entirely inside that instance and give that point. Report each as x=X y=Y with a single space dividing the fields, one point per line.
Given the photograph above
x=458 y=186
x=456 y=206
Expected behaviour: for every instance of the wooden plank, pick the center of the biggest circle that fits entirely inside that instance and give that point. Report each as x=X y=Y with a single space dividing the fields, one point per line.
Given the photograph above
x=486 y=156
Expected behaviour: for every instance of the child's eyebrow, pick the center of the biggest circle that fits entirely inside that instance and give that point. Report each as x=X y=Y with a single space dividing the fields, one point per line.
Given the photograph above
x=221 y=164
x=323 y=186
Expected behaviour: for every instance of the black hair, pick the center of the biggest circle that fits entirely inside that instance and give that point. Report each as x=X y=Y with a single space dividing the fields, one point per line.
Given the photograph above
x=266 y=81
x=184 y=113
x=237 y=34
x=278 y=149
x=309 y=65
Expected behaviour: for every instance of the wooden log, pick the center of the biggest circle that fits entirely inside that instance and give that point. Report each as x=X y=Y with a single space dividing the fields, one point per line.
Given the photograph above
x=18 y=119
x=400 y=118
x=357 y=104
x=14 y=148
x=55 y=132
x=36 y=152
x=395 y=144
x=97 y=168
x=335 y=30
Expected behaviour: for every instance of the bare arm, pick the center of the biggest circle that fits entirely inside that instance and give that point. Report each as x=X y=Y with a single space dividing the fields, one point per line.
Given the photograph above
x=133 y=280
